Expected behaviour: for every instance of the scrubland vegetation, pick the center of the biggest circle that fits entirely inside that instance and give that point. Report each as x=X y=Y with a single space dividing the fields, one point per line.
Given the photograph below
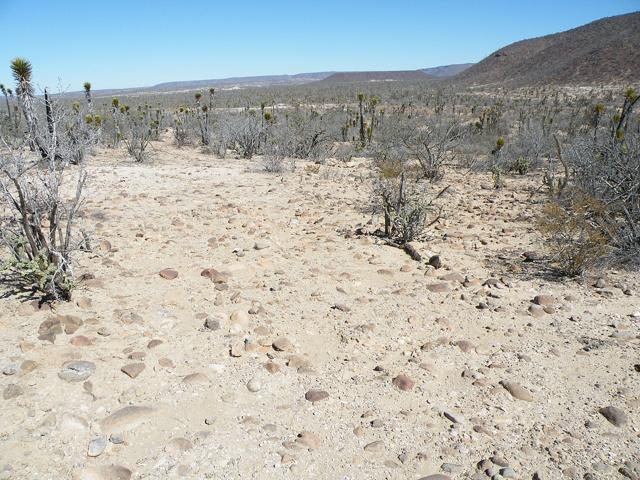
x=582 y=146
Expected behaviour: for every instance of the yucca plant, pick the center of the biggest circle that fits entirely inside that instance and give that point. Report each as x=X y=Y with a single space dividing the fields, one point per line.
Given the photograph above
x=202 y=115
x=621 y=121
x=212 y=92
x=22 y=71
x=87 y=95
x=116 y=110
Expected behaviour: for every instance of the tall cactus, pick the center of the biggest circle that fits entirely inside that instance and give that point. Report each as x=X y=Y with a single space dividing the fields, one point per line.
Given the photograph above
x=49 y=111
x=202 y=113
x=373 y=102
x=361 y=98
x=22 y=71
x=212 y=92
x=87 y=95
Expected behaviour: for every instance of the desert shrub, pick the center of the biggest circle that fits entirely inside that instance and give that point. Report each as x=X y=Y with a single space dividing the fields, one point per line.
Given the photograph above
x=182 y=127
x=408 y=205
x=489 y=119
x=473 y=149
x=390 y=168
x=37 y=216
x=138 y=133
x=402 y=194
x=525 y=149
x=82 y=129
x=312 y=169
x=277 y=164
x=275 y=159
x=431 y=143
x=344 y=151
x=303 y=135
x=244 y=133
x=598 y=205
x=577 y=232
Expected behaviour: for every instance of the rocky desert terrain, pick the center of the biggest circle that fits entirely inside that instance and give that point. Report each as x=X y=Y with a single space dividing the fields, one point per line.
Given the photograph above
x=232 y=323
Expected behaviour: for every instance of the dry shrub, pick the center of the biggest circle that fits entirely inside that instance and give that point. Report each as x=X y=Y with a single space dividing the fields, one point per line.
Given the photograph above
x=594 y=217
x=429 y=143
x=390 y=168
x=313 y=168
x=577 y=233
x=408 y=203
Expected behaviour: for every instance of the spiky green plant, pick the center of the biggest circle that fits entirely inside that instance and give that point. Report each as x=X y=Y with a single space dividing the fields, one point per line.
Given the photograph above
x=621 y=121
x=22 y=72
x=87 y=95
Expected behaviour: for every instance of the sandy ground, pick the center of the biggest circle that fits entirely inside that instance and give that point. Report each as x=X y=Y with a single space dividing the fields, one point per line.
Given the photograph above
x=325 y=354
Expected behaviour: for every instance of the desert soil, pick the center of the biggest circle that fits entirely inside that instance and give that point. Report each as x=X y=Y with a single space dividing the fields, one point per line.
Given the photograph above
x=311 y=349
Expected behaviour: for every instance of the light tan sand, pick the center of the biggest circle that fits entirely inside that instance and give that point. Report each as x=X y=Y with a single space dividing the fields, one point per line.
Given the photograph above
x=357 y=314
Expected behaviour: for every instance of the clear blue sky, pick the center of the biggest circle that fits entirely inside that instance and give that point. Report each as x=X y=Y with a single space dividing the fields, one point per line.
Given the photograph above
x=118 y=43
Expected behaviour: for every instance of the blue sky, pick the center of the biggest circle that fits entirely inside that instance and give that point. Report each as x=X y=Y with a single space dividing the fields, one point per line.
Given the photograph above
x=117 y=43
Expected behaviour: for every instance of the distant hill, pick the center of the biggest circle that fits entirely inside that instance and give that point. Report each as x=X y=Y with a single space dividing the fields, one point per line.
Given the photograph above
x=373 y=76
x=257 y=81
x=606 y=51
x=446 y=71
x=269 y=80
x=231 y=82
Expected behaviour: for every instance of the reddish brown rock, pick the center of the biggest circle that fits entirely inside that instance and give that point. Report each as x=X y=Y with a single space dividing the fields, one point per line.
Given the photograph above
x=314 y=396
x=403 y=382
x=133 y=369
x=49 y=329
x=544 y=300
x=214 y=275
x=169 y=274
x=81 y=341
x=272 y=367
x=464 y=345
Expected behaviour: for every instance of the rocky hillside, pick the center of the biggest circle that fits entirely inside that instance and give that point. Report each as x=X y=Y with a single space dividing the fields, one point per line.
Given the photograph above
x=601 y=52
x=445 y=71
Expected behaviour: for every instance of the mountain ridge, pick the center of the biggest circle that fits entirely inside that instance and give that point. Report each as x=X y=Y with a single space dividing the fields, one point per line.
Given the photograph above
x=604 y=51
